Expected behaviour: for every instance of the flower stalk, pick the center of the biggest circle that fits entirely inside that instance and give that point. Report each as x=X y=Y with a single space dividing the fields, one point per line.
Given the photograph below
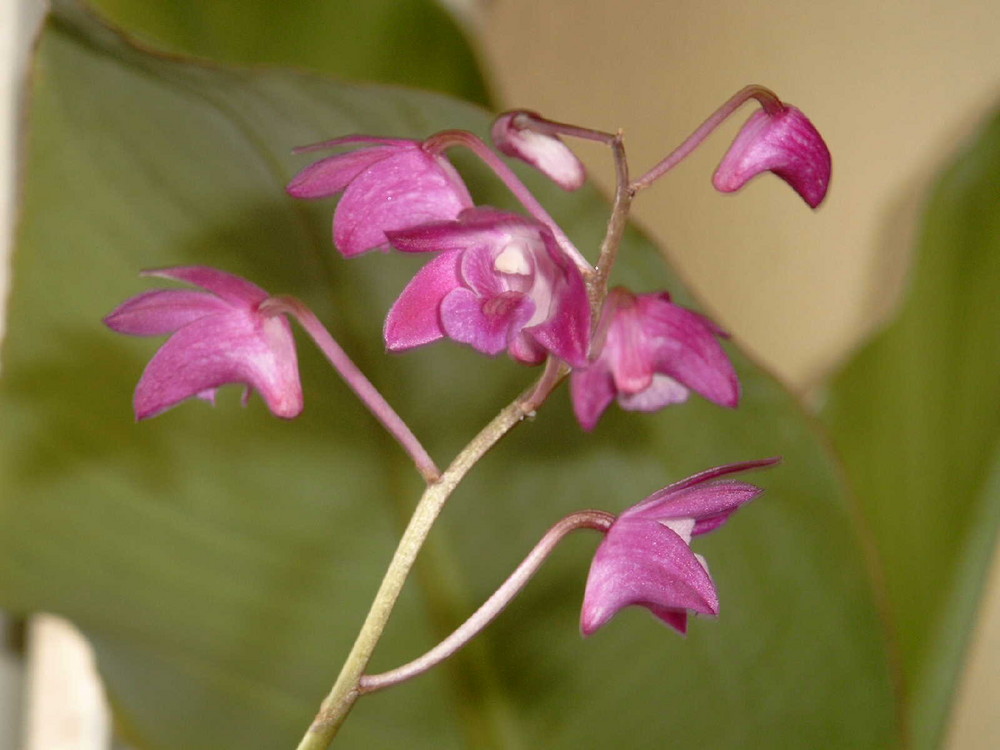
x=622 y=204
x=346 y=689
x=598 y=520
x=356 y=380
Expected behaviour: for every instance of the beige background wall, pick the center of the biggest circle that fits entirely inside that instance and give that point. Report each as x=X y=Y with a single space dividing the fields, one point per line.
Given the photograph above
x=892 y=85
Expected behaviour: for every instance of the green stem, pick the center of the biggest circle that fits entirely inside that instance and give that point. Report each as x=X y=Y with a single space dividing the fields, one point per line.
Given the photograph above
x=345 y=692
x=615 y=230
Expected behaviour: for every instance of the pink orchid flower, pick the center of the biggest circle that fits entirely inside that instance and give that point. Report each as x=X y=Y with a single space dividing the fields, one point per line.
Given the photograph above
x=219 y=336
x=783 y=142
x=646 y=559
x=654 y=352
x=499 y=282
x=388 y=184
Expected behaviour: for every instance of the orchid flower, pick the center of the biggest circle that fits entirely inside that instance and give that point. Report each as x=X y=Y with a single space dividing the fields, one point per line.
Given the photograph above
x=645 y=558
x=651 y=354
x=499 y=282
x=388 y=184
x=218 y=336
x=783 y=142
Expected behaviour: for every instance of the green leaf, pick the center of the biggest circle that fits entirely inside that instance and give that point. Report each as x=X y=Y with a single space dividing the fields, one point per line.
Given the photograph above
x=222 y=561
x=410 y=42
x=916 y=416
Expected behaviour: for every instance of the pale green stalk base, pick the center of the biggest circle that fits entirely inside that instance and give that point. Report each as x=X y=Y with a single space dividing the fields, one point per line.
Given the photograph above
x=345 y=691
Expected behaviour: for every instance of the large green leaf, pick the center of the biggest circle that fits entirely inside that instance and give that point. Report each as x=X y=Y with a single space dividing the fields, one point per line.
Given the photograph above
x=412 y=42
x=222 y=560
x=916 y=416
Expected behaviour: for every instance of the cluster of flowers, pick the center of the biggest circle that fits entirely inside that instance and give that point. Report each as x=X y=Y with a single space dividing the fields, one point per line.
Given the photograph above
x=500 y=281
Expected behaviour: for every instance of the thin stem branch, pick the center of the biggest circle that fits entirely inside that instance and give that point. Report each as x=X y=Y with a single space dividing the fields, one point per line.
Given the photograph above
x=616 y=227
x=768 y=100
x=345 y=691
x=357 y=381
x=526 y=119
x=449 y=138
x=492 y=607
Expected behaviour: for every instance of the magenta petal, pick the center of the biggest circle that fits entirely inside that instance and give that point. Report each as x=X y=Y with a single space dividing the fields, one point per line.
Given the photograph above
x=162 y=311
x=220 y=349
x=478 y=227
x=627 y=345
x=592 y=390
x=439 y=236
x=719 y=471
x=479 y=273
x=333 y=174
x=415 y=316
x=684 y=346
x=546 y=153
x=410 y=188
x=485 y=324
x=567 y=331
x=710 y=505
x=233 y=289
x=784 y=143
x=642 y=562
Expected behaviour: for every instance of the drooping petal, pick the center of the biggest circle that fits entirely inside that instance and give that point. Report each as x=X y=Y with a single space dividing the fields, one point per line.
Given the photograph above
x=684 y=346
x=784 y=143
x=219 y=349
x=592 y=390
x=546 y=153
x=642 y=562
x=162 y=311
x=627 y=346
x=415 y=316
x=409 y=188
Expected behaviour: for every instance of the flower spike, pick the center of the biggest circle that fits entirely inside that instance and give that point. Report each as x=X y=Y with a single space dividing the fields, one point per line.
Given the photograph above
x=646 y=559
x=513 y=135
x=783 y=142
x=219 y=336
x=653 y=352
x=388 y=184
